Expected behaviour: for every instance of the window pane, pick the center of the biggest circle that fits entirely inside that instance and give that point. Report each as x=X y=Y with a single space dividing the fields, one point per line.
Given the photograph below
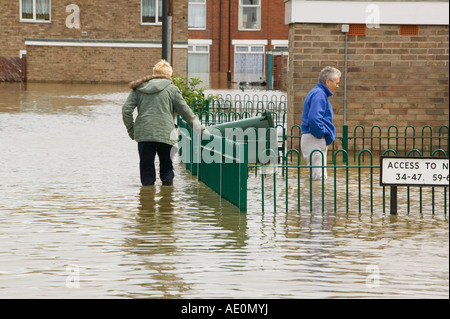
x=40 y=12
x=241 y=49
x=43 y=10
x=27 y=9
x=249 y=67
x=197 y=16
x=148 y=10
x=249 y=63
x=160 y=10
x=198 y=63
x=202 y=48
x=198 y=66
x=250 y=2
x=250 y=19
x=257 y=49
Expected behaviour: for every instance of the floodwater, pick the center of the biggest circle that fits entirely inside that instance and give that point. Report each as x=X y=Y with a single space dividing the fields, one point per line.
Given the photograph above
x=75 y=222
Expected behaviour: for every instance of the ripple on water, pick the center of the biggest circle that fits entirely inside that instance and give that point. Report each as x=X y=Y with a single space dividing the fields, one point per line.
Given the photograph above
x=75 y=223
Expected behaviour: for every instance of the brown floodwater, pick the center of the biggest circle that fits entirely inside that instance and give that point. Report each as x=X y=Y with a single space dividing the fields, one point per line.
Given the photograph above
x=75 y=222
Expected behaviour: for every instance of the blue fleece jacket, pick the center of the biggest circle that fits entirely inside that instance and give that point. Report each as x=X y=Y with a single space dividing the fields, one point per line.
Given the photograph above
x=317 y=114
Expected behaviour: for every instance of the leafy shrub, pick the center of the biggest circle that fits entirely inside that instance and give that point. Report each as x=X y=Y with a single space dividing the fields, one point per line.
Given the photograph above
x=192 y=92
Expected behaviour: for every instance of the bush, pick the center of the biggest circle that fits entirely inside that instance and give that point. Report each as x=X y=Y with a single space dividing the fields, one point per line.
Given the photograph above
x=192 y=93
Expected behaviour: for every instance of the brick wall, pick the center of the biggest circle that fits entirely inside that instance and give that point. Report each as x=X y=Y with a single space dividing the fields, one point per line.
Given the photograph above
x=89 y=64
x=392 y=79
x=100 y=20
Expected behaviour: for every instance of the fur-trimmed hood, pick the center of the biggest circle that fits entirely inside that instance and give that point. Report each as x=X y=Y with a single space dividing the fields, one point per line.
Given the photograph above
x=157 y=100
x=136 y=83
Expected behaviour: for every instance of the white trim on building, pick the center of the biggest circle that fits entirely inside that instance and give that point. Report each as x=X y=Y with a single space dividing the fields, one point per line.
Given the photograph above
x=249 y=42
x=99 y=43
x=373 y=12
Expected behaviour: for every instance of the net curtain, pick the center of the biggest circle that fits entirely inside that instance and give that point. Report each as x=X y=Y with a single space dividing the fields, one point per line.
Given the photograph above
x=149 y=12
x=42 y=9
x=197 y=14
x=249 y=67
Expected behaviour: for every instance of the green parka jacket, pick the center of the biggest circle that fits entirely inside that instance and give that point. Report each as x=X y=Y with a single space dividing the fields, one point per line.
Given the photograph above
x=157 y=101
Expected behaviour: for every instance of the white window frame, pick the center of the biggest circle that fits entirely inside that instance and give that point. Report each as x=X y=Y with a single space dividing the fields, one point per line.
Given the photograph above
x=250 y=44
x=157 y=22
x=34 y=19
x=198 y=4
x=241 y=15
x=192 y=49
x=193 y=44
x=279 y=44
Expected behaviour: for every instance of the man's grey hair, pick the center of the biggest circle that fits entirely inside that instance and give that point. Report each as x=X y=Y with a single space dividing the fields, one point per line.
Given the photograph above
x=329 y=73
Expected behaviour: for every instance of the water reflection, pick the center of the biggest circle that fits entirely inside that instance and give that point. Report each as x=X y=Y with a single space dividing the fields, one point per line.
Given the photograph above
x=359 y=192
x=70 y=196
x=155 y=220
x=153 y=237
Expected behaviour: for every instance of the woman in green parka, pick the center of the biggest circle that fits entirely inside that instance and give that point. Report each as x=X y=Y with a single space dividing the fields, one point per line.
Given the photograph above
x=157 y=101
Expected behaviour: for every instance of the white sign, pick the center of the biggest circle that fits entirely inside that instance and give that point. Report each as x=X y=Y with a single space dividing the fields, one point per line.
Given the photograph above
x=414 y=171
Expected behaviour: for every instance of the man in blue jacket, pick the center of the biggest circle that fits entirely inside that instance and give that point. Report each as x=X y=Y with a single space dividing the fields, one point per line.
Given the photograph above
x=317 y=126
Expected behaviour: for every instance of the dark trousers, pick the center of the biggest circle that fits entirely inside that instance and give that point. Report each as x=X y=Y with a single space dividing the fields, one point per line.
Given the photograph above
x=147 y=152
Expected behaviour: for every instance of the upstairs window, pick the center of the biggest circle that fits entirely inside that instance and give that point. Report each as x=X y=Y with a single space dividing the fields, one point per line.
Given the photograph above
x=151 y=11
x=35 y=10
x=249 y=14
x=197 y=14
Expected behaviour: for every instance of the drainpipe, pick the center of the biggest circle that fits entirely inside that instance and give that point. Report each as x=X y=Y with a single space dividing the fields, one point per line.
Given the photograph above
x=345 y=29
x=229 y=44
x=220 y=44
x=269 y=76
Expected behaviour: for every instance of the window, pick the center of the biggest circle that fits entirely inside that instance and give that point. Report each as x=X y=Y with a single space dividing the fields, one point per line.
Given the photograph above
x=198 y=60
x=35 y=10
x=151 y=11
x=249 y=14
x=197 y=14
x=248 y=63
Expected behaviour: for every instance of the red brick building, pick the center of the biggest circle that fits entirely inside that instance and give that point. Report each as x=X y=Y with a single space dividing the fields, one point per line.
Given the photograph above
x=89 y=40
x=231 y=39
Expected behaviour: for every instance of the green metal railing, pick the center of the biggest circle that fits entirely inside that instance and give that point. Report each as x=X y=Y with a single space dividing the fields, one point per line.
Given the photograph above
x=349 y=187
x=223 y=168
x=218 y=110
x=352 y=164
x=378 y=141
x=353 y=186
x=402 y=141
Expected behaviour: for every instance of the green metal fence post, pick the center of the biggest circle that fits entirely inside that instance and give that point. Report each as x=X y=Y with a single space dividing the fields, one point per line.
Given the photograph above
x=345 y=142
x=243 y=175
